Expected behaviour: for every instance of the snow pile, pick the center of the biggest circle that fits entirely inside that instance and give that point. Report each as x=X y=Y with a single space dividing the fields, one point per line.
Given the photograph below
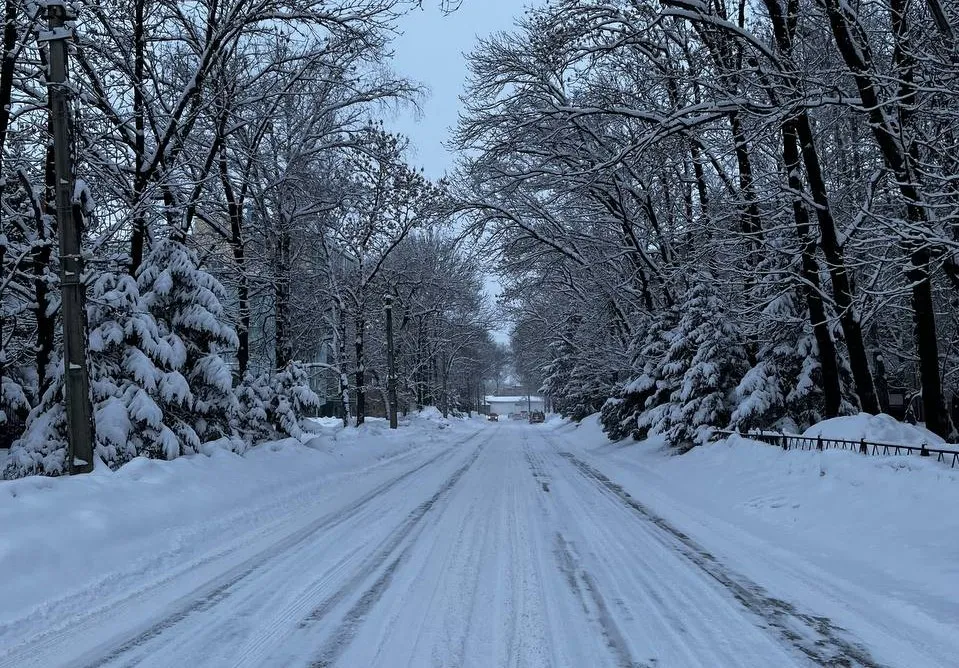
x=870 y=530
x=875 y=429
x=150 y=516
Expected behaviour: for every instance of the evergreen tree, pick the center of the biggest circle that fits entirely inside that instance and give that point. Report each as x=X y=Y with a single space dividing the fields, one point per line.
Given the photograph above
x=195 y=392
x=272 y=405
x=124 y=380
x=42 y=450
x=704 y=362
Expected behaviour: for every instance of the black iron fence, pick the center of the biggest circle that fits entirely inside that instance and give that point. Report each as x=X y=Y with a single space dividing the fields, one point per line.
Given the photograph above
x=862 y=446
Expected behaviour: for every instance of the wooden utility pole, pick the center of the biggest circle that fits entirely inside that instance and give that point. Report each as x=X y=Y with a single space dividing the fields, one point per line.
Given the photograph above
x=73 y=291
x=390 y=362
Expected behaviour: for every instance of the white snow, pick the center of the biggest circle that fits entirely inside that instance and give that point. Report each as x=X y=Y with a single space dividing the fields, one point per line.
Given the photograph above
x=68 y=542
x=871 y=542
x=875 y=429
x=462 y=542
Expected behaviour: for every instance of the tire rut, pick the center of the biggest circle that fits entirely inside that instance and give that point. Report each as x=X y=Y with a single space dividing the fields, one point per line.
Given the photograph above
x=219 y=588
x=584 y=587
x=817 y=638
x=344 y=633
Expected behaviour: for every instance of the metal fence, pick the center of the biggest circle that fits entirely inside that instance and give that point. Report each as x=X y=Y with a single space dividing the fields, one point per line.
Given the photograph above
x=862 y=446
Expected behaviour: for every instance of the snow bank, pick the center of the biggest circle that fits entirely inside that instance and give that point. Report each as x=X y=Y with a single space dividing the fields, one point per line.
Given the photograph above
x=874 y=428
x=107 y=530
x=588 y=430
x=877 y=533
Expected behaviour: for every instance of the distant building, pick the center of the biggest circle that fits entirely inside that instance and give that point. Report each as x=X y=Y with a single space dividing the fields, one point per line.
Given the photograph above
x=514 y=404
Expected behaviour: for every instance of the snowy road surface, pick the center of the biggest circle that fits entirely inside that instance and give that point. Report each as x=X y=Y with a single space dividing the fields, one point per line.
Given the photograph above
x=505 y=548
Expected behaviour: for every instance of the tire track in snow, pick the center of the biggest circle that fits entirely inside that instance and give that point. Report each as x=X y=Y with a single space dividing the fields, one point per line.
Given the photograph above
x=219 y=588
x=583 y=584
x=407 y=532
x=579 y=580
x=816 y=637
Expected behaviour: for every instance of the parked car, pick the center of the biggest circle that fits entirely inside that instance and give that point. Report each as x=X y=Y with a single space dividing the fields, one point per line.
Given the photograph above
x=536 y=417
x=493 y=417
x=517 y=416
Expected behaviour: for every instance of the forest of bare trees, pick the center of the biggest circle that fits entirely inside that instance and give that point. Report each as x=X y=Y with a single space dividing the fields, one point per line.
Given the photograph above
x=244 y=214
x=705 y=214
x=724 y=213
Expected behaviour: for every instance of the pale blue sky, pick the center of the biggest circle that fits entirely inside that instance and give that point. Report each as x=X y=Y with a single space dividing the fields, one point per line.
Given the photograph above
x=432 y=52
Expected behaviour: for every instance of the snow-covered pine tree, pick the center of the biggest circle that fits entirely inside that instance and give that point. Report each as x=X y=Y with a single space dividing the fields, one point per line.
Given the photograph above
x=643 y=398
x=787 y=363
x=784 y=389
x=295 y=398
x=573 y=383
x=124 y=380
x=271 y=405
x=704 y=363
x=14 y=401
x=195 y=391
x=42 y=450
x=255 y=396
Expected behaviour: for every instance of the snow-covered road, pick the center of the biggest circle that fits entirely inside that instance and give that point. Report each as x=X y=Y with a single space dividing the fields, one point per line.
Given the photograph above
x=504 y=548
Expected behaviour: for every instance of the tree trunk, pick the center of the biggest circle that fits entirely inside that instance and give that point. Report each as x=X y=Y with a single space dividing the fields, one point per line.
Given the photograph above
x=342 y=365
x=750 y=225
x=783 y=29
x=390 y=365
x=445 y=391
x=235 y=211
x=832 y=392
x=360 y=375
x=835 y=262
x=7 y=67
x=887 y=132
x=139 y=234
x=283 y=343
x=41 y=256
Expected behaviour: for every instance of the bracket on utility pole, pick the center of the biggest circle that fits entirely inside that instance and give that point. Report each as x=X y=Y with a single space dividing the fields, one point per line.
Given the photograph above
x=73 y=291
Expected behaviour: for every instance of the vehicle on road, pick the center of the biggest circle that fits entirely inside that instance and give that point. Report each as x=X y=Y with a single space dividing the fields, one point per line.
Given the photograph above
x=493 y=417
x=536 y=417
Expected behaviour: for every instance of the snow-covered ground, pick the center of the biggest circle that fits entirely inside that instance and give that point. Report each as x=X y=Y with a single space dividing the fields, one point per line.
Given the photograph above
x=469 y=543
x=870 y=542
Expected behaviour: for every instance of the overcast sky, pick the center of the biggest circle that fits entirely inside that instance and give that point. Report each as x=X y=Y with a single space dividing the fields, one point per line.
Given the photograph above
x=432 y=52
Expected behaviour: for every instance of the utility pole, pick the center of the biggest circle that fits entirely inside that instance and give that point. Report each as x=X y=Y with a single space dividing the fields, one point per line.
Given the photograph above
x=390 y=361
x=73 y=291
